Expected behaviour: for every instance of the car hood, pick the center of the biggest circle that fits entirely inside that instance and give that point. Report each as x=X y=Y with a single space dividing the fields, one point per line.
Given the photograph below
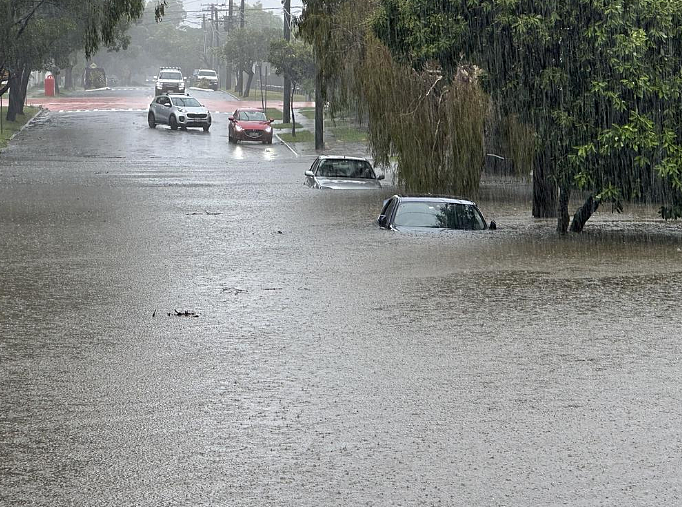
x=347 y=183
x=253 y=125
x=170 y=81
x=201 y=110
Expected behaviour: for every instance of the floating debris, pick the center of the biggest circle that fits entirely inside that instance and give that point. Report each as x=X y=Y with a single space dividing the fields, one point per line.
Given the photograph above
x=234 y=290
x=186 y=313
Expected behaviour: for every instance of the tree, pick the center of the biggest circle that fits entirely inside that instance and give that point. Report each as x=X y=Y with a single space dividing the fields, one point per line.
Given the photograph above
x=429 y=122
x=598 y=82
x=91 y=23
x=295 y=61
x=247 y=46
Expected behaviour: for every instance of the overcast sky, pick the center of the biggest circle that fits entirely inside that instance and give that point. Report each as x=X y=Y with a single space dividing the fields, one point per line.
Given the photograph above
x=194 y=7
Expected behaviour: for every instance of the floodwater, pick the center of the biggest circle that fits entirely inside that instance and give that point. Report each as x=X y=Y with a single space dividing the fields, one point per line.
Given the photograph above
x=331 y=363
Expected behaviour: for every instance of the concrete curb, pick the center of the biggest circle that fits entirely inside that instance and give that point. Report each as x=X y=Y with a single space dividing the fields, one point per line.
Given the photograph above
x=41 y=110
x=287 y=145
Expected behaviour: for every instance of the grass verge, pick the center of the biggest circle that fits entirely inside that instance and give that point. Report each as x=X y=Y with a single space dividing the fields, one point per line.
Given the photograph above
x=302 y=136
x=9 y=128
x=349 y=134
x=278 y=96
x=286 y=126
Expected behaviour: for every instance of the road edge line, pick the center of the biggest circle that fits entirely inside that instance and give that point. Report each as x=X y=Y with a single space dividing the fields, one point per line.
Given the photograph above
x=29 y=122
x=287 y=145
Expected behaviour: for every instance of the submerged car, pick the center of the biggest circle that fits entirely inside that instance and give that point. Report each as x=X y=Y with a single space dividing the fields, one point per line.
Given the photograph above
x=249 y=125
x=177 y=110
x=330 y=172
x=431 y=213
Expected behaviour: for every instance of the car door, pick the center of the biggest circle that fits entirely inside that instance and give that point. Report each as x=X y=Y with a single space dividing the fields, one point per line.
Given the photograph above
x=164 y=108
x=310 y=180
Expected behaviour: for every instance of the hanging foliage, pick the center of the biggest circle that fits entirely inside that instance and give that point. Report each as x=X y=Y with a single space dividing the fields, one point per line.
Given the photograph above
x=427 y=120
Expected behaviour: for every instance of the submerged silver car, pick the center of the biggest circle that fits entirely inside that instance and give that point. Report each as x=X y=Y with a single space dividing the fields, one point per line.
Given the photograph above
x=331 y=172
x=177 y=110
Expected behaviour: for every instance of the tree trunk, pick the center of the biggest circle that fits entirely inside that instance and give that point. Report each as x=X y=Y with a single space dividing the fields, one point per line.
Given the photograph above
x=544 y=190
x=564 y=219
x=291 y=108
x=584 y=213
x=248 y=83
x=319 y=113
x=68 y=78
x=15 y=99
x=24 y=87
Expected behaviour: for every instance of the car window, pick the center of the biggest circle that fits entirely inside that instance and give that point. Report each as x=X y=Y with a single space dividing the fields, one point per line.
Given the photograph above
x=207 y=73
x=388 y=207
x=159 y=100
x=236 y=115
x=342 y=168
x=253 y=116
x=186 y=102
x=170 y=75
x=439 y=215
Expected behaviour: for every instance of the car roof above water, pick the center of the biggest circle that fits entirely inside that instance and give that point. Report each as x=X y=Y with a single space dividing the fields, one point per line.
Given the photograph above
x=434 y=198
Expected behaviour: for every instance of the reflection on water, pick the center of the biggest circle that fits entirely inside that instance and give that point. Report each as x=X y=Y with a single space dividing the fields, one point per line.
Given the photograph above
x=333 y=363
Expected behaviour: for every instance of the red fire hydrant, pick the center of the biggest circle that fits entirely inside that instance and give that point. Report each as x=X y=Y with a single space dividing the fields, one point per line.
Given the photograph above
x=49 y=85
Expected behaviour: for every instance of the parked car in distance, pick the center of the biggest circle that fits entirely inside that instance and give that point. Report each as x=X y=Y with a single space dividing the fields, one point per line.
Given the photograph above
x=249 y=125
x=176 y=110
x=205 y=78
x=332 y=172
x=431 y=213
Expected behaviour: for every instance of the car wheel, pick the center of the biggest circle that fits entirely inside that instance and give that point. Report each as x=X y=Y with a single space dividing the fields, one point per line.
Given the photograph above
x=206 y=127
x=151 y=120
x=270 y=141
x=173 y=123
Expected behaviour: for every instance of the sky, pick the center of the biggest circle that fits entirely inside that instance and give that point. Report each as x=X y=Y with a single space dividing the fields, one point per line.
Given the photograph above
x=194 y=7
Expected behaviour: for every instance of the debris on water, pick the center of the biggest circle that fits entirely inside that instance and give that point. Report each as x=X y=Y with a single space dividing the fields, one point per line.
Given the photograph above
x=186 y=313
x=272 y=288
x=234 y=290
x=154 y=313
x=280 y=232
x=210 y=213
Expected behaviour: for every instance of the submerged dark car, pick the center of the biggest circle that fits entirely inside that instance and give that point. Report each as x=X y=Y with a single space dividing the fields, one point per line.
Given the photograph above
x=342 y=173
x=431 y=212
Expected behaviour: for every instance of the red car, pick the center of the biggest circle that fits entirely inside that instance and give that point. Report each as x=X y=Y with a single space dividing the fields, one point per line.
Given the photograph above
x=249 y=125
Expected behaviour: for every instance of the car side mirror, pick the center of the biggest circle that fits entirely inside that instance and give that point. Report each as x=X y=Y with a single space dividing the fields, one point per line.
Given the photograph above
x=271 y=120
x=310 y=174
x=167 y=105
x=492 y=226
x=381 y=220
x=381 y=177
x=231 y=118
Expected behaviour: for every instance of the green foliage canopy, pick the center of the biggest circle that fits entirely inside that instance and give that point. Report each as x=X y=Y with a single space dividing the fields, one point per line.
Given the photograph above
x=600 y=82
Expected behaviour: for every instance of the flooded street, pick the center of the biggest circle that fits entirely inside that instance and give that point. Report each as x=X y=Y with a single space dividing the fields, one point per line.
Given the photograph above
x=332 y=362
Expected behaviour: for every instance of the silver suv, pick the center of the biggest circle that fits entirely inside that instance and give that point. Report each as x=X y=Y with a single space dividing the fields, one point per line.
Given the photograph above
x=170 y=80
x=178 y=110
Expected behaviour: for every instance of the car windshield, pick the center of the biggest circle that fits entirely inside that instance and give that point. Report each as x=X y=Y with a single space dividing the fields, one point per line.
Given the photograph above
x=186 y=102
x=208 y=73
x=343 y=168
x=252 y=116
x=170 y=75
x=439 y=215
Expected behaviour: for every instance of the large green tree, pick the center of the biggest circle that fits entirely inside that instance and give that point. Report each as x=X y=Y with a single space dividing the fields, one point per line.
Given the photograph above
x=34 y=32
x=599 y=82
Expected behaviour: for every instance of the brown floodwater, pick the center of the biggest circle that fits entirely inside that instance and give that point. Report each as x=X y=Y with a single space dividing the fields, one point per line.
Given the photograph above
x=331 y=362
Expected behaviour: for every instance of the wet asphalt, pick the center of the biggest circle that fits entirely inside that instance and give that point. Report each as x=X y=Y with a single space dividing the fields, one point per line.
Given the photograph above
x=330 y=363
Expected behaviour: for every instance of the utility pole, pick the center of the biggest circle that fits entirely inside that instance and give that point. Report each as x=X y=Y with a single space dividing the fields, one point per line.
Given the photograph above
x=240 y=70
x=319 y=107
x=286 y=102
